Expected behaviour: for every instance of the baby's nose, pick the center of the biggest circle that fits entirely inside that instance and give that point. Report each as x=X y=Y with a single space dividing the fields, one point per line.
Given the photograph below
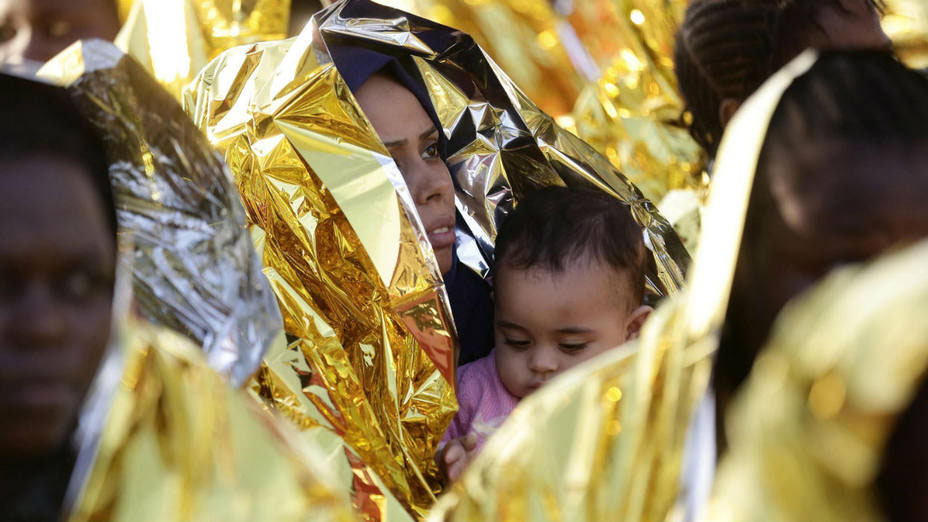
x=543 y=361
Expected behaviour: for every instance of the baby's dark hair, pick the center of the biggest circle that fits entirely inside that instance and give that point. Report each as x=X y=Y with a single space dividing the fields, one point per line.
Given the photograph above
x=555 y=227
x=38 y=120
x=855 y=102
x=728 y=48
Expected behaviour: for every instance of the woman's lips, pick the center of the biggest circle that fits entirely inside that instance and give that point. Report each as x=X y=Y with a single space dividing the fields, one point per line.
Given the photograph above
x=441 y=237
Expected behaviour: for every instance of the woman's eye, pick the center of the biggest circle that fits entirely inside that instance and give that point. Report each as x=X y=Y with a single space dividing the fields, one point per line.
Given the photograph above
x=430 y=152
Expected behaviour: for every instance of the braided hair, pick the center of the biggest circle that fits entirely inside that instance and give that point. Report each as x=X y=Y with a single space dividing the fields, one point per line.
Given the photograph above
x=728 y=48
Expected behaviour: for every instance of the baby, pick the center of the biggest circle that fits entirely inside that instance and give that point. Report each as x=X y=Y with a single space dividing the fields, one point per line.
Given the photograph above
x=569 y=285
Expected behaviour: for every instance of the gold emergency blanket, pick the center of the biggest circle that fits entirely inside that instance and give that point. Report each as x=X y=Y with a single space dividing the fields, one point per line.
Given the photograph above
x=501 y=146
x=906 y=22
x=194 y=267
x=340 y=238
x=808 y=430
x=374 y=346
x=633 y=112
x=603 y=68
x=527 y=38
x=173 y=442
x=174 y=39
x=605 y=441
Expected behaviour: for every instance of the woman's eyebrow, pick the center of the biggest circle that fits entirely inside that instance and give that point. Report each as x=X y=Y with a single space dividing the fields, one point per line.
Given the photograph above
x=428 y=133
x=401 y=142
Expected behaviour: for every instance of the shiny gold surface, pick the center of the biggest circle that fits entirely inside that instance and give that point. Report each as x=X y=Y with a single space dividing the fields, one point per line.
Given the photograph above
x=501 y=145
x=179 y=444
x=603 y=68
x=605 y=441
x=174 y=39
x=807 y=432
x=339 y=235
x=360 y=291
x=632 y=112
x=906 y=22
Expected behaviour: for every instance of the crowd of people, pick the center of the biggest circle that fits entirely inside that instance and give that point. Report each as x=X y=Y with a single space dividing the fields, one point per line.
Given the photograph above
x=450 y=245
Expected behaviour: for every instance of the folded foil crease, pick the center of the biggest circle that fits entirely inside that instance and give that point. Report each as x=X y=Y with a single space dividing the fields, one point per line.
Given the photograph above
x=177 y=443
x=606 y=440
x=501 y=145
x=808 y=430
x=194 y=267
x=527 y=38
x=372 y=350
x=602 y=68
x=174 y=39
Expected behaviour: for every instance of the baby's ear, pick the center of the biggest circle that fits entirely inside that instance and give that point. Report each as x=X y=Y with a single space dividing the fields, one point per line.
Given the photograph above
x=636 y=320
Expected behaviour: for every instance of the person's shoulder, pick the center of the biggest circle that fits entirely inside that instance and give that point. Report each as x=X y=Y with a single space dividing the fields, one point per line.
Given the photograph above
x=477 y=370
x=474 y=377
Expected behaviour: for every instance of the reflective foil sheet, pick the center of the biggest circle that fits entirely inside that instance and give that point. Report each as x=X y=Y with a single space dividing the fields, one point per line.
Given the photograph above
x=808 y=430
x=606 y=440
x=632 y=113
x=372 y=350
x=529 y=39
x=194 y=267
x=174 y=39
x=501 y=146
x=602 y=68
x=176 y=443
x=906 y=22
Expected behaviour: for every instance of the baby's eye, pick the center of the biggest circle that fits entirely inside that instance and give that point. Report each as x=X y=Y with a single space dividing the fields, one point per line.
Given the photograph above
x=573 y=347
x=430 y=152
x=517 y=344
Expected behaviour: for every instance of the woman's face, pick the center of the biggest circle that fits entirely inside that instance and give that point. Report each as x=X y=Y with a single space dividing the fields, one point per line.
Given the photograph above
x=412 y=139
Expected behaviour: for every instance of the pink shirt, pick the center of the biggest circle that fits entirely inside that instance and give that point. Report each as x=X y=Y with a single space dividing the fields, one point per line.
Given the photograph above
x=483 y=401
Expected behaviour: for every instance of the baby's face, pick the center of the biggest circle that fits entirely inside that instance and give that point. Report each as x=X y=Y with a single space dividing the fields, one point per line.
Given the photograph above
x=548 y=322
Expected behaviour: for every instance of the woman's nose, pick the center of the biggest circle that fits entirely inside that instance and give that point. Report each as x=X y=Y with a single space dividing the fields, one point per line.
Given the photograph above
x=432 y=183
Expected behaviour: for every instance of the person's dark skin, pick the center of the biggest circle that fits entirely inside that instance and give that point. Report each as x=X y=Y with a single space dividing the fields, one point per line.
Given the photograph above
x=39 y=29
x=822 y=209
x=57 y=263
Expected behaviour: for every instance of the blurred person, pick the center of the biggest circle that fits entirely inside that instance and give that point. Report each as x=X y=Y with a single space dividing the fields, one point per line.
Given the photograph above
x=725 y=49
x=832 y=421
x=57 y=271
x=840 y=179
x=566 y=290
x=39 y=29
x=57 y=265
x=401 y=113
